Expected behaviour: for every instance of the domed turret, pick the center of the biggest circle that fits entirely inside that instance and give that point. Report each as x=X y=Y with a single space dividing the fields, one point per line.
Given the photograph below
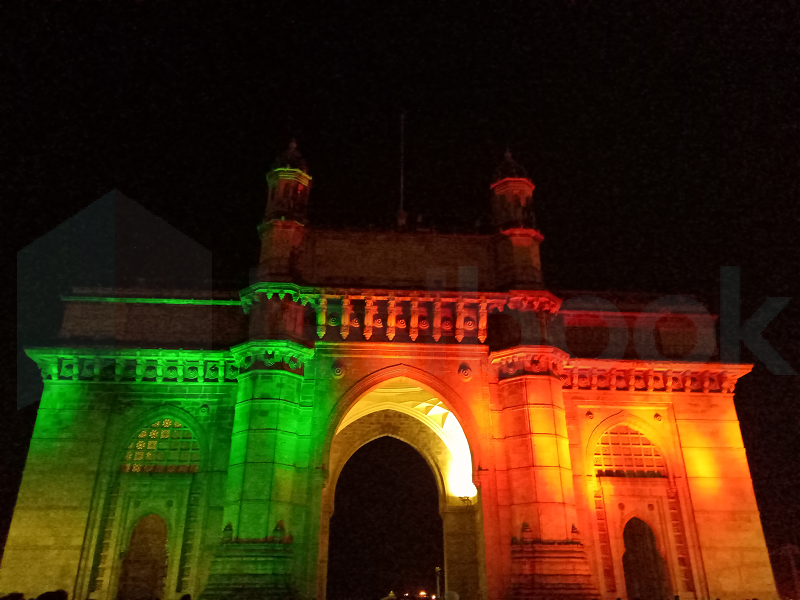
x=512 y=209
x=289 y=184
x=285 y=218
x=512 y=203
x=509 y=169
x=291 y=159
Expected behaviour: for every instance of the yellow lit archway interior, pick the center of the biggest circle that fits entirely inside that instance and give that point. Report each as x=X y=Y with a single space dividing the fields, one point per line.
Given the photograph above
x=408 y=397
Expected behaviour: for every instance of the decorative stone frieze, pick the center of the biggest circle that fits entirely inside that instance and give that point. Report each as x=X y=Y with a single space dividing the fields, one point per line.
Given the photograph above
x=529 y=360
x=165 y=366
x=639 y=376
x=445 y=313
x=138 y=366
x=272 y=354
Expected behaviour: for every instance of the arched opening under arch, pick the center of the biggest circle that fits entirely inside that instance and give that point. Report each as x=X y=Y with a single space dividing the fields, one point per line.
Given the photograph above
x=644 y=567
x=144 y=569
x=408 y=397
x=411 y=412
x=386 y=531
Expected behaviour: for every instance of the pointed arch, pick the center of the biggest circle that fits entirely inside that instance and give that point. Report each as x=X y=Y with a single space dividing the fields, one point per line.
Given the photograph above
x=434 y=466
x=642 y=428
x=131 y=430
x=452 y=399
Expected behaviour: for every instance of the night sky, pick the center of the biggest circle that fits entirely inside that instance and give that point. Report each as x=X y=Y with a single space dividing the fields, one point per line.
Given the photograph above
x=662 y=138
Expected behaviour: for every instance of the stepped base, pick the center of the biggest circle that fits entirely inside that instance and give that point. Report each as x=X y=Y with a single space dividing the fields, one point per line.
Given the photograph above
x=543 y=569
x=243 y=570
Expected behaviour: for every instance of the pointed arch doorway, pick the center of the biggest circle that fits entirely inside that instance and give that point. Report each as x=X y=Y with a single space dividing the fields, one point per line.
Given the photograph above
x=144 y=569
x=644 y=567
x=386 y=531
x=405 y=409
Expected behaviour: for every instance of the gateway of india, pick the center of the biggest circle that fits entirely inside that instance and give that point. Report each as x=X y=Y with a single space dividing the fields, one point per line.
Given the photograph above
x=583 y=447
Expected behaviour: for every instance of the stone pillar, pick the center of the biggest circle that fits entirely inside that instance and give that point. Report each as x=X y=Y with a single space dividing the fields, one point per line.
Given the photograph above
x=266 y=463
x=460 y=551
x=547 y=557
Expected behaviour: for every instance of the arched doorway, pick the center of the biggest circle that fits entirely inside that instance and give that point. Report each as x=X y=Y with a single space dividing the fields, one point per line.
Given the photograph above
x=144 y=568
x=409 y=411
x=645 y=571
x=386 y=531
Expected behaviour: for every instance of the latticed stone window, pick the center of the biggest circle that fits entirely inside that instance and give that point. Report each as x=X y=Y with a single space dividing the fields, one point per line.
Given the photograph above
x=166 y=446
x=625 y=452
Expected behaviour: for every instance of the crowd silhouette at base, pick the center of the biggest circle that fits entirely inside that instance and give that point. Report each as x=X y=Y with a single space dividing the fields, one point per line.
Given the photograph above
x=62 y=595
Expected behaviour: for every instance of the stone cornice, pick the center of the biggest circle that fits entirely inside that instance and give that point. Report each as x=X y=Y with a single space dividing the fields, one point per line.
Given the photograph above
x=651 y=376
x=528 y=360
x=135 y=365
x=270 y=353
x=617 y=375
x=540 y=300
x=143 y=300
x=115 y=365
x=459 y=312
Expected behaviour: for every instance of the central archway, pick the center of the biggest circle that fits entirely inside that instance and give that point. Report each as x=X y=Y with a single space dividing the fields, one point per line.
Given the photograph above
x=386 y=531
x=411 y=412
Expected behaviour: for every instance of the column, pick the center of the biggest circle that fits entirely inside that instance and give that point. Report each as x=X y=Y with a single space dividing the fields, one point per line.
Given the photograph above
x=547 y=557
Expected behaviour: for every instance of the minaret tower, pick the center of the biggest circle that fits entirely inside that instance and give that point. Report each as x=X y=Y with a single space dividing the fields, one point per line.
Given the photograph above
x=284 y=220
x=512 y=209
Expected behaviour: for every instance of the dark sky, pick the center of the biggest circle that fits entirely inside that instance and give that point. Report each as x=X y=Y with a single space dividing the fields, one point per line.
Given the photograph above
x=662 y=138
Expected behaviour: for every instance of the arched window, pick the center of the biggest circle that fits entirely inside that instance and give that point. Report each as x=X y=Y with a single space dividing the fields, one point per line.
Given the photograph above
x=624 y=452
x=166 y=446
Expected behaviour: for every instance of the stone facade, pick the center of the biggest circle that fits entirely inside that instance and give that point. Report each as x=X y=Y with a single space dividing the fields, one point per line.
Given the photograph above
x=560 y=430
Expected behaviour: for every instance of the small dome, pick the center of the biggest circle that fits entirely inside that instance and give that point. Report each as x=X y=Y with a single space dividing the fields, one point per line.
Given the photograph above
x=291 y=159
x=509 y=168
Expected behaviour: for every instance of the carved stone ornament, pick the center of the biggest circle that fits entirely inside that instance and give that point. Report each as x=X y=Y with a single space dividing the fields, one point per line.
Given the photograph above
x=354 y=321
x=423 y=323
x=657 y=417
x=447 y=324
x=338 y=370
x=333 y=320
x=653 y=378
x=589 y=414
x=465 y=371
x=400 y=323
x=469 y=324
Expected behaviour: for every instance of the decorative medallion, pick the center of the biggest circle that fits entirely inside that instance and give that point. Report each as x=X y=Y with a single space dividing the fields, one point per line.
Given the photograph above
x=333 y=320
x=657 y=417
x=589 y=414
x=469 y=324
x=338 y=370
x=423 y=323
x=465 y=371
x=400 y=323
